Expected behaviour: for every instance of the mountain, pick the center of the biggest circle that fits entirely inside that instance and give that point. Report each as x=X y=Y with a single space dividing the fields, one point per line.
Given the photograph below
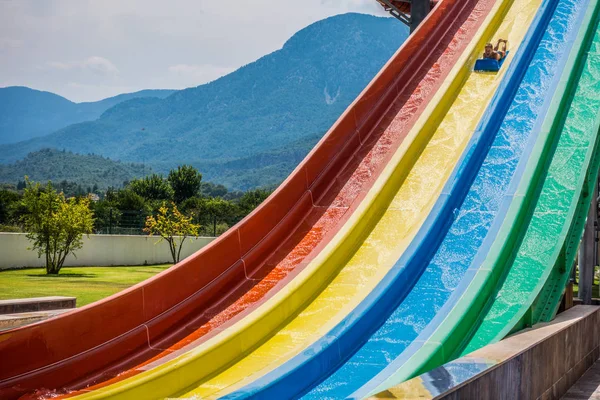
x=27 y=113
x=273 y=109
x=86 y=170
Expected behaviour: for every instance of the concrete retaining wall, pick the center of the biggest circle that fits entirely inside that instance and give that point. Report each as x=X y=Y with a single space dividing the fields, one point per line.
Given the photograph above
x=98 y=250
x=539 y=363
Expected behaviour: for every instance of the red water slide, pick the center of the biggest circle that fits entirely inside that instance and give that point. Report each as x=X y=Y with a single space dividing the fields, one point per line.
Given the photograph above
x=222 y=282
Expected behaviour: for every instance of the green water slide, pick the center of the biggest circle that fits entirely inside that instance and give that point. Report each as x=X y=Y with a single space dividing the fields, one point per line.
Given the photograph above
x=542 y=230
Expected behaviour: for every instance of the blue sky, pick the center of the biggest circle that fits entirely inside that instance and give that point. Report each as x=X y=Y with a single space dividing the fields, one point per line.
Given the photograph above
x=87 y=50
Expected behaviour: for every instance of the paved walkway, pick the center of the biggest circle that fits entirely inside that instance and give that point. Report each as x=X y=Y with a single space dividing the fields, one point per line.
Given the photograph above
x=587 y=387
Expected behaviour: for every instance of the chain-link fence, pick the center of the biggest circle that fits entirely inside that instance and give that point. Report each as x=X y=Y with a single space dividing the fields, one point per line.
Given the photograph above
x=116 y=222
x=112 y=221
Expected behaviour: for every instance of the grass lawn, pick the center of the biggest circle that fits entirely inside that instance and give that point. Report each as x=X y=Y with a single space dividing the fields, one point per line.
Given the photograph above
x=595 y=286
x=88 y=284
x=595 y=290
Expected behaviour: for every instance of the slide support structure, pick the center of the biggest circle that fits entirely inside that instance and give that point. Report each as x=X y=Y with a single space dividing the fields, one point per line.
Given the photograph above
x=587 y=251
x=418 y=12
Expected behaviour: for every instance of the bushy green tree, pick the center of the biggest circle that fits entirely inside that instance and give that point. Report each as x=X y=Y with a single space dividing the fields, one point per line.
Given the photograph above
x=185 y=182
x=219 y=210
x=209 y=189
x=54 y=224
x=9 y=200
x=152 y=187
x=252 y=199
x=128 y=200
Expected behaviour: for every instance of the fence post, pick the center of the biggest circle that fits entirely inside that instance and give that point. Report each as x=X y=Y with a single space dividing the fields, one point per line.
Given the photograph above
x=110 y=221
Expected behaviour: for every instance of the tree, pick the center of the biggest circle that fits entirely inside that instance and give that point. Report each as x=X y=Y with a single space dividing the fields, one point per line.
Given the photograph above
x=219 y=210
x=252 y=199
x=173 y=227
x=152 y=187
x=209 y=189
x=185 y=181
x=55 y=225
x=8 y=198
x=128 y=200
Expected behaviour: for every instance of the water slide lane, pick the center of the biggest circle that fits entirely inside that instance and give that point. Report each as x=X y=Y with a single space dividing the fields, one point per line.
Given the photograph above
x=209 y=357
x=152 y=319
x=310 y=366
x=565 y=182
x=512 y=158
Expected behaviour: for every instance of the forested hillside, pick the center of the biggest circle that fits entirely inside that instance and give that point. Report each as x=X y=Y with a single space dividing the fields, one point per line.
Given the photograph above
x=86 y=170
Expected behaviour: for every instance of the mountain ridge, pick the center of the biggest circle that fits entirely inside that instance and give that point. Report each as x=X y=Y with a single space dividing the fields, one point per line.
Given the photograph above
x=28 y=113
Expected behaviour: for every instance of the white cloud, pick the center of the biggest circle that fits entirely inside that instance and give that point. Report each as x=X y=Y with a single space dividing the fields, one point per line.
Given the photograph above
x=98 y=65
x=60 y=65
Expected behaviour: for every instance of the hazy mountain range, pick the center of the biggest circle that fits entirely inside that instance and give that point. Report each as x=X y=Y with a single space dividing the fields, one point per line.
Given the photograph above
x=27 y=113
x=247 y=129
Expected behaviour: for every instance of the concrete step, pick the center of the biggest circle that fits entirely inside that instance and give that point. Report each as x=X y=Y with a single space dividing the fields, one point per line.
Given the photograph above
x=33 y=304
x=10 y=321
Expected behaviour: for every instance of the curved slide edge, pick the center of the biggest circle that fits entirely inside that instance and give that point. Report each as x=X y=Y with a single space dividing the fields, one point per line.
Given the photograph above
x=443 y=337
x=242 y=338
x=104 y=332
x=369 y=315
x=559 y=192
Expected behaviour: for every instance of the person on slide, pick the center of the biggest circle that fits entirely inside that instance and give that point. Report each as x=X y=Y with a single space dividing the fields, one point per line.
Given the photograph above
x=494 y=52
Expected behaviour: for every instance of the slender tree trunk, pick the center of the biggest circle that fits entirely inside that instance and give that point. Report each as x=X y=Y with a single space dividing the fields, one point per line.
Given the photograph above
x=172 y=248
x=48 y=266
x=63 y=257
x=48 y=269
x=180 y=247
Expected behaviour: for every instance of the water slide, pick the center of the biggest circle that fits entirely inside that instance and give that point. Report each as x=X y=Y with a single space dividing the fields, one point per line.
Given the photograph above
x=441 y=212
x=563 y=201
x=329 y=287
x=487 y=166
x=199 y=298
x=453 y=286
x=530 y=261
x=525 y=128
x=465 y=101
